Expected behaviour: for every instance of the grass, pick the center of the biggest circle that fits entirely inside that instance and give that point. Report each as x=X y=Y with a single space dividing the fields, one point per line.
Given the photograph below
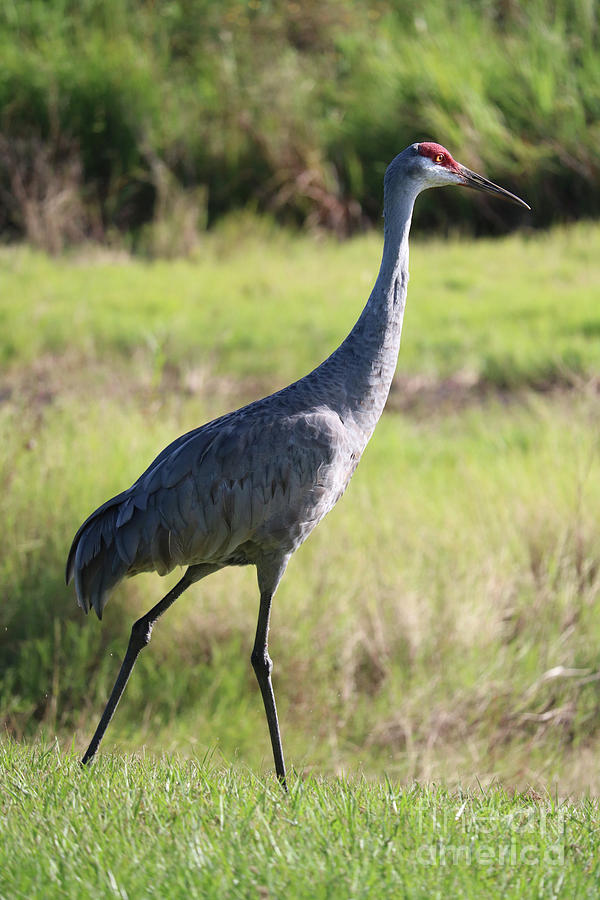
x=512 y=312
x=142 y=827
x=118 y=117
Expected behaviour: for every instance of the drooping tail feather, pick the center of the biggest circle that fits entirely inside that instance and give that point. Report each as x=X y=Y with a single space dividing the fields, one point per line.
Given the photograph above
x=98 y=558
x=126 y=535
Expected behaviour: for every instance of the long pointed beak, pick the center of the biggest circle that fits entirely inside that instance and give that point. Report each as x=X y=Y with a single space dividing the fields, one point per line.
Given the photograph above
x=479 y=183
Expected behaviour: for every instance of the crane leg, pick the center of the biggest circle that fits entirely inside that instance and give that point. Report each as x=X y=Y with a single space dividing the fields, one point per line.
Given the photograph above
x=263 y=666
x=141 y=632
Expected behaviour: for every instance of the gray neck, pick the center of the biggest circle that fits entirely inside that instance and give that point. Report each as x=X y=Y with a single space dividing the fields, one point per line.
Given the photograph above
x=361 y=369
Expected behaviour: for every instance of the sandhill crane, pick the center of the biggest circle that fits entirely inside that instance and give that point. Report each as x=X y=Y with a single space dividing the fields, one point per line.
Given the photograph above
x=249 y=487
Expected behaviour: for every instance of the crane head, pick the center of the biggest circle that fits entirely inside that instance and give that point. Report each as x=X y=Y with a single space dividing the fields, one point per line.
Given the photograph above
x=435 y=166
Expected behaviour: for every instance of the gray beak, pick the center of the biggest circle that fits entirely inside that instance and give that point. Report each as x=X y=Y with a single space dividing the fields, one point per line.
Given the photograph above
x=479 y=183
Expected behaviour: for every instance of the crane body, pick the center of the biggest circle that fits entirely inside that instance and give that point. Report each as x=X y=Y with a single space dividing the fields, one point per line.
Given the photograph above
x=249 y=487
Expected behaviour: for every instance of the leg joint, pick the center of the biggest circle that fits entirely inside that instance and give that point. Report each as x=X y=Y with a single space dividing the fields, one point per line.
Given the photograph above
x=261 y=662
x=141 y=632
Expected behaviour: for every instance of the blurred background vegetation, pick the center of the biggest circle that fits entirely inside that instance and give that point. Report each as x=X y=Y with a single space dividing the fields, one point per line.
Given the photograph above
x=154 y=118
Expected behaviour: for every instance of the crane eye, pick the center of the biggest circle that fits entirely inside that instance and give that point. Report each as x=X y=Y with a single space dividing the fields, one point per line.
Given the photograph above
x=439 y=158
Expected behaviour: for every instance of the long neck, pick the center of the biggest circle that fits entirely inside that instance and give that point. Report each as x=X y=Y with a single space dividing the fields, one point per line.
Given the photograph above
x=366 y=360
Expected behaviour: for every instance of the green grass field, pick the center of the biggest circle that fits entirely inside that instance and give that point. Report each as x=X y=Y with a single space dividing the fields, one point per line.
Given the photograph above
x=266 y=305
x=179 y=828
x=440 y=626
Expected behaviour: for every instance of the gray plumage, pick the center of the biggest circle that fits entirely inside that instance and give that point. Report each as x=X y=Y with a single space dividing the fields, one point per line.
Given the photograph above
x=250 y=484
x=249 y=487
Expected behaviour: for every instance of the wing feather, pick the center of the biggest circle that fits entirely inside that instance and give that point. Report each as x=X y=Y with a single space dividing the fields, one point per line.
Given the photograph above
x=260 y=474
